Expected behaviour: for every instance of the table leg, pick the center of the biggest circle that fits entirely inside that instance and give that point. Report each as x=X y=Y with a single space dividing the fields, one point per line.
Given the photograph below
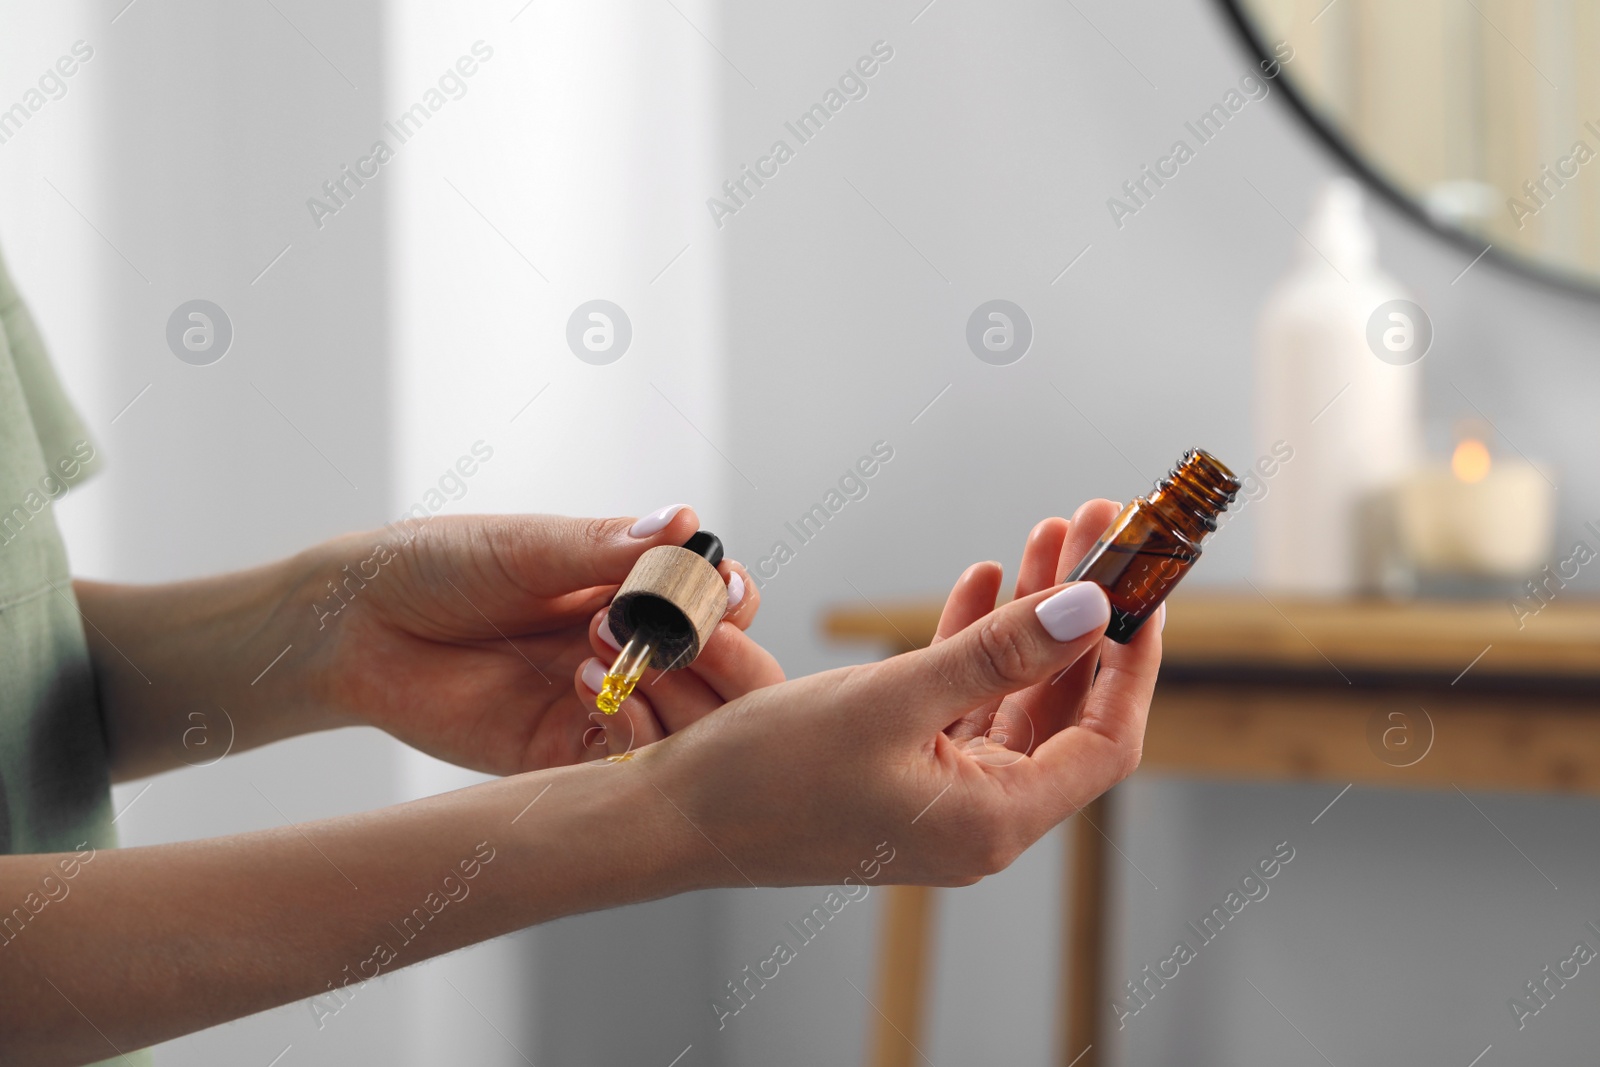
x=1084 y=926
x=904 y=970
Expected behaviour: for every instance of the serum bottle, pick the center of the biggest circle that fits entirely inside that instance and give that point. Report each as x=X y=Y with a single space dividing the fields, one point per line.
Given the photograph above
x=1152 y=544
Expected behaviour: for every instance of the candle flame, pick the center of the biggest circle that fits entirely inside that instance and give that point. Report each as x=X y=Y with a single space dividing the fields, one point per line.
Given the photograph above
x=1470 y=461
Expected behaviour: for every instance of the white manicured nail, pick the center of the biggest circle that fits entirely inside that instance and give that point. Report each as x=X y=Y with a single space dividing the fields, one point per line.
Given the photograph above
x=735 y=589
x=1161 y=623
x=656 y=521
x=1074 y=611
x=606 y=635
x=594 y=675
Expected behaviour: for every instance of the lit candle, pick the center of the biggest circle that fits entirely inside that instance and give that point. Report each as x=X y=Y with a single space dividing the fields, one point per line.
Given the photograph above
x=1478 y=515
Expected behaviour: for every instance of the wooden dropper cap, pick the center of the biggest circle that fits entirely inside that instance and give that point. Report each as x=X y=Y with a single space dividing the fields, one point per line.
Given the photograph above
x=674 y=599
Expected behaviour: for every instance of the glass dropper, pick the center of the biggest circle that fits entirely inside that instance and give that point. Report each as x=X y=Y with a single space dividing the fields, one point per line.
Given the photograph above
x=624 y=674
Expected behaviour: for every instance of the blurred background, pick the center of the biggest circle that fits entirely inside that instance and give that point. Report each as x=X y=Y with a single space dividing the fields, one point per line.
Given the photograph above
x=777 y=331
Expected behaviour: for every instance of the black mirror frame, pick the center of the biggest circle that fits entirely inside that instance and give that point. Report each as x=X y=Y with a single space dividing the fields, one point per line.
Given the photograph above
x=1471 y=244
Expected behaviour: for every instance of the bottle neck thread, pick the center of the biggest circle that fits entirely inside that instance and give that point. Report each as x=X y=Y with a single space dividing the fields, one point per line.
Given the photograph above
x=1195 y=493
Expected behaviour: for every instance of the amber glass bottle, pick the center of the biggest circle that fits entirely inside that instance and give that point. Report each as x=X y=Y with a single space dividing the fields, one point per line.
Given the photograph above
x=1148 y=549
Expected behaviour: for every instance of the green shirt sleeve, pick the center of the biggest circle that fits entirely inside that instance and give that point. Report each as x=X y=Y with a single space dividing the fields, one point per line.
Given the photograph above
x=55 y=783
x=56 y=426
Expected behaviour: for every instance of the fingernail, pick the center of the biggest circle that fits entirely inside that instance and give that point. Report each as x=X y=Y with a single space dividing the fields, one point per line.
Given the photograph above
x=735 y=589
x=1074 y=611
x=606 y=635
x=594 y=675
x=656 y=521
x=1161 y=623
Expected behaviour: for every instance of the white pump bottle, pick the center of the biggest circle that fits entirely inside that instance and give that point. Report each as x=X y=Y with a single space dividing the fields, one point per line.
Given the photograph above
x=1351 y=419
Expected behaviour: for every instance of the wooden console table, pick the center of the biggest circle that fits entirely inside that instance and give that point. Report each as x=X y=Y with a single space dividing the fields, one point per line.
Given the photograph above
x=1425 y=695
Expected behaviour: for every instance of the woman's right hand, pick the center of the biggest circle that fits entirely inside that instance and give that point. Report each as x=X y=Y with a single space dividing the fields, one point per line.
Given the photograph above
x=958 y=756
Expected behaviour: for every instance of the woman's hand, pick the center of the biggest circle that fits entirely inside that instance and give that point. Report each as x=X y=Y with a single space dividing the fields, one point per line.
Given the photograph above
x=473 y=641
x=958 y=756
x=461 y=635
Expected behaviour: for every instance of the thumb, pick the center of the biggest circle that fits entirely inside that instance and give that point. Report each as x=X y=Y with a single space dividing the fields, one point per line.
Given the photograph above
x=571 y=554
x=1023 y=643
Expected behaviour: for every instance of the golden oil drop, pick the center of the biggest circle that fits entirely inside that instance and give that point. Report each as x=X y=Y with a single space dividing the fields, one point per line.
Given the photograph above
x=623 y=676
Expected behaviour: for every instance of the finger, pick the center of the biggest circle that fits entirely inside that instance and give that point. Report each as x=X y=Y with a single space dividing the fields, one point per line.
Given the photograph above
x=601 y=639
x=1104 y=746
x=1017 y=645
x=744 y=598
x=1034 y=715
x=1011 y=723
x=1126 y=680
x=970 y=599
x=733 y=664
x=680 y=698
x=1065 y=696
x=1090 y=521
x=1041 y=556
x=555 y=554
x=633 y=726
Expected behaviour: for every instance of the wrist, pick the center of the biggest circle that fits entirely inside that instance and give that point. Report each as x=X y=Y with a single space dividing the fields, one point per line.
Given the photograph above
x=312 y=617
x=604 y=832
x=667 y=846
x=283 y=659
x=665 y=785
x=173 y=661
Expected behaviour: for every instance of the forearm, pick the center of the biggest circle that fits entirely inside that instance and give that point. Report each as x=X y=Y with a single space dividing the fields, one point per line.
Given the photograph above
x=186 y=671
x=150 y=943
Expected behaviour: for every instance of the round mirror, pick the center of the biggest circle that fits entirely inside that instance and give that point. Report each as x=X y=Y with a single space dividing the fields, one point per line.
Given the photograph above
x=1480 y=117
